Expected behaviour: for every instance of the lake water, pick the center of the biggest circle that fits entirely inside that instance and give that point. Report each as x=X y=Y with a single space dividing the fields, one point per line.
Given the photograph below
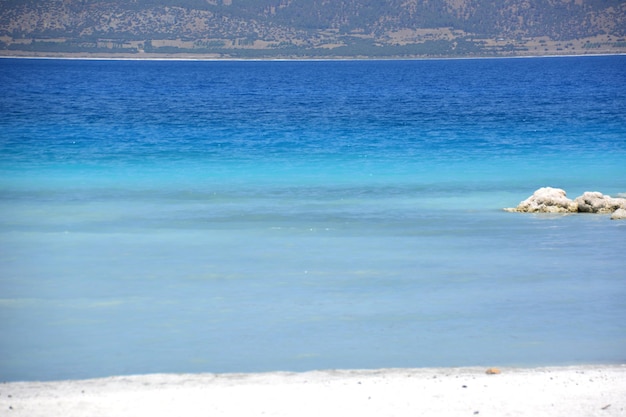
x=198 y=216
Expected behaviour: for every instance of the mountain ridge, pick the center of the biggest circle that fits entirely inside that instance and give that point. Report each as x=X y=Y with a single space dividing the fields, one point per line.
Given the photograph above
x=313 y=28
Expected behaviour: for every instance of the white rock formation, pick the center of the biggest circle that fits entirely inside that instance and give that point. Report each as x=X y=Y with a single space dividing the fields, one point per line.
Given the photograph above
x=547 y=200
x=554 y=200
x=595 y=202
x=619 y=214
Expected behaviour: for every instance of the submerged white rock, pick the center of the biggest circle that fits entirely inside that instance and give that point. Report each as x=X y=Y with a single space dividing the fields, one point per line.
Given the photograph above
x=546 y=200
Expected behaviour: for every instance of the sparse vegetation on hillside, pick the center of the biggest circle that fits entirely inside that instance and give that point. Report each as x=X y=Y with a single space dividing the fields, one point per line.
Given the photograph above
x=276 y=28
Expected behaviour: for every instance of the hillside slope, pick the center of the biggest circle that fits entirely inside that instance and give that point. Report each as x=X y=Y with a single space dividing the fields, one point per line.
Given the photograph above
x=313 y=28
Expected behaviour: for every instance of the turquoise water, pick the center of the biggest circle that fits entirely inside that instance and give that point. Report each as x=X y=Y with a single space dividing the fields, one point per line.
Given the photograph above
x=260 y=216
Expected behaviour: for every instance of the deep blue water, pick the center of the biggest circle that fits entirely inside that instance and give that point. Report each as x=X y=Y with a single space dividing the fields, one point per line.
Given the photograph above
x=257 y=216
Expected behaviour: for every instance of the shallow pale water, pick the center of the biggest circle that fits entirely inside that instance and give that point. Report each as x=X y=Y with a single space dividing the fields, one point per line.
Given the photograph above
x=259 y=216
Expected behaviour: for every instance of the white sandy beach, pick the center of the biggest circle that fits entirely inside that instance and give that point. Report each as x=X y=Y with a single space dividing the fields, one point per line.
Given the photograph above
x=552 y=391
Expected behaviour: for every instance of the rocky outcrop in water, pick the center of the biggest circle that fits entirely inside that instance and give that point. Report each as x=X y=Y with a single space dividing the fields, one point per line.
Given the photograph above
x=554 y=200
x=546 y=200
x=619 y=214
x=596 y=202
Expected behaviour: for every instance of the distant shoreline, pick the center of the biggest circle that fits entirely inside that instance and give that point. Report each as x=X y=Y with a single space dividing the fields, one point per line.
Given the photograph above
x=201 y=57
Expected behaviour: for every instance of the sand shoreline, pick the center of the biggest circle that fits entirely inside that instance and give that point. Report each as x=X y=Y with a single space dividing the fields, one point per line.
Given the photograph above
x=200 y=57
x=588 y=390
